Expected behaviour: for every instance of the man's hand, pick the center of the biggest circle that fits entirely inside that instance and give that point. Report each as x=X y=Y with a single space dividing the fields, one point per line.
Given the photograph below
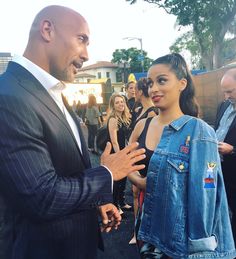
x=224 y=148
x=111 y=217
x=123 y=162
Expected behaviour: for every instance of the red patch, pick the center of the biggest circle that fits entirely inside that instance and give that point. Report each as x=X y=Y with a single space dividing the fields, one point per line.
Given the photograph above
x=184 y=149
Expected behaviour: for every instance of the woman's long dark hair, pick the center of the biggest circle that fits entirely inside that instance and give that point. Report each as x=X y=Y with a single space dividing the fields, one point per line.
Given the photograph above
x=178 y=66
x=143 y=85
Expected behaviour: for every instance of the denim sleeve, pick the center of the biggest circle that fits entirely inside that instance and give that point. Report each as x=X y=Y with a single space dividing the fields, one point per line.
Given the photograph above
x=205 y=177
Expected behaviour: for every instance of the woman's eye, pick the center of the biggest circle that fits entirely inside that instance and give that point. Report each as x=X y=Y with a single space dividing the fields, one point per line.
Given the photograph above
x=161 y=80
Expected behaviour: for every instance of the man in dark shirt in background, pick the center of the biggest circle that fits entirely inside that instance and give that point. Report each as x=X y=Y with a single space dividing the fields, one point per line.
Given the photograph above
x=226 y=133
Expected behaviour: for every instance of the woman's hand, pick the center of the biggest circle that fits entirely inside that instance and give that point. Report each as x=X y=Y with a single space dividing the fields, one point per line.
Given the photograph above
x=137 y=180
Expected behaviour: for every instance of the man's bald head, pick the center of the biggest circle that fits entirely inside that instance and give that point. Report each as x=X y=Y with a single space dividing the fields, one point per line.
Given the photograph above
x=55 y=14
x=58 y=41
x=228 y=85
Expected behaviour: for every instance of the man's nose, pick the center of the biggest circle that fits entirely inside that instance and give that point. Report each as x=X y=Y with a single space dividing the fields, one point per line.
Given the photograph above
x=84 y=54
x=227 y=96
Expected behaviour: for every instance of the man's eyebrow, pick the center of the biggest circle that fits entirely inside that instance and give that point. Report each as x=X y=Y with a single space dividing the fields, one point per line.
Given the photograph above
x=229 y=90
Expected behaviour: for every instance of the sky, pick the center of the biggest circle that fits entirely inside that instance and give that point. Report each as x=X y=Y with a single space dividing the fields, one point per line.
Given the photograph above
x=110 y=21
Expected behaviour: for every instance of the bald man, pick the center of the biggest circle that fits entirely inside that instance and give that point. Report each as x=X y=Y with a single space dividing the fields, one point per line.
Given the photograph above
x=49 y=194
x=226 y=133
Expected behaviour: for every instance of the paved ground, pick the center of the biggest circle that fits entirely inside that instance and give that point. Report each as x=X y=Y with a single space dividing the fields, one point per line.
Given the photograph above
x=117 y=242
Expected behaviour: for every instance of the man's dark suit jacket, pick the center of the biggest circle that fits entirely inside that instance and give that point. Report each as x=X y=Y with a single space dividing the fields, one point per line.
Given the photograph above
x=49 y=193
x=229 y=160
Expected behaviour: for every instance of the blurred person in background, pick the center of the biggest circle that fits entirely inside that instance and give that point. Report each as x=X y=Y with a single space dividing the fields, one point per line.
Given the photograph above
x=92 y=121
x=130 y=94
x=118 y=120
x=226 y=133
x=131 y=103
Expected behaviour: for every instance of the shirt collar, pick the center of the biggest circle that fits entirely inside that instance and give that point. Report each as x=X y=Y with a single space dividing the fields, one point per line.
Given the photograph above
x=41 y=75
x=233 y=105
x=180 y=122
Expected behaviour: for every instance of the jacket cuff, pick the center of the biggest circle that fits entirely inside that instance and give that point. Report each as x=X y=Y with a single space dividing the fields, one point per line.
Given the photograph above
x=233 y=151
x=202 y=244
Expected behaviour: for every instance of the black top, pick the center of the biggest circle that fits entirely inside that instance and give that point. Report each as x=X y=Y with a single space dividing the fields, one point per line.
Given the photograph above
x=121 y=135
x=131 y=103
x=145 y=114
x=142 y=144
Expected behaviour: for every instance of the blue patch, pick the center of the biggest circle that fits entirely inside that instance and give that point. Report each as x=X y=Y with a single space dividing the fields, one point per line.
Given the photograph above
x=209 y=182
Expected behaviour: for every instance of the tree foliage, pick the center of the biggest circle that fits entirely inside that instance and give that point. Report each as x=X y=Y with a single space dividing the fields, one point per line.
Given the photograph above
x=132 y=59
x=210 y=21
x=188 y=42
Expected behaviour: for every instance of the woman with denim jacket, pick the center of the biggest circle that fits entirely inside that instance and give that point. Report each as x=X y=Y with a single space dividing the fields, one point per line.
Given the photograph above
x=185 y=212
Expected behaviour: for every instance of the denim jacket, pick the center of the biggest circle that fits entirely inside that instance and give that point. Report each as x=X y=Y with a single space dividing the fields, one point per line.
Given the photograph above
x=185 y=211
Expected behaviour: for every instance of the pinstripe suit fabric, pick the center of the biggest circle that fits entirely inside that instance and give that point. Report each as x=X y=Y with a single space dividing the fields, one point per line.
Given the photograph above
x=45 y=181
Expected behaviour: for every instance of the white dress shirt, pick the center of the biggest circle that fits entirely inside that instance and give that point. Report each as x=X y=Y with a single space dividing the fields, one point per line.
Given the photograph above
x=51 y=84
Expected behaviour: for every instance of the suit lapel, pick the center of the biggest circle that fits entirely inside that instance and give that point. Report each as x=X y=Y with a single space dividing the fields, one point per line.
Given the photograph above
x=34 y=87
x=233 y=124
x=83 y=142
x=222 y=110
x=220 y=113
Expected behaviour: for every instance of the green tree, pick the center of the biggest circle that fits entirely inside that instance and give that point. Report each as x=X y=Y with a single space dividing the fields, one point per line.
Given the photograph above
x=229 y=50
x=210 y=21
x=188 y=41
x=132 y=59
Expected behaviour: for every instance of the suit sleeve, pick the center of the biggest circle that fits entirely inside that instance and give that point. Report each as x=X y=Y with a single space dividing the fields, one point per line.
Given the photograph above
x=27 y=176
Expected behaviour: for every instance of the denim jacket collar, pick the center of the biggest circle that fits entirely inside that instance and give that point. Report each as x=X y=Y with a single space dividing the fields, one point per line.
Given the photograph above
x=180 y=122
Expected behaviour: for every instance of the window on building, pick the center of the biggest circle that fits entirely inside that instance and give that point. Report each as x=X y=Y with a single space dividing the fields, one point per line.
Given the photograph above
x=99 y=75
x=107 y=74
x=118 y=77
x=5 y=57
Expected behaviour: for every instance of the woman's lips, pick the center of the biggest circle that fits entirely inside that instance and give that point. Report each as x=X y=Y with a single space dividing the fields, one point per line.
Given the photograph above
x=156 y=98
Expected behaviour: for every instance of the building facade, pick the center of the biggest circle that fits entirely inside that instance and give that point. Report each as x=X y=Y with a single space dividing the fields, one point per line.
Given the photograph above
x=99 y=70
x=5 y=57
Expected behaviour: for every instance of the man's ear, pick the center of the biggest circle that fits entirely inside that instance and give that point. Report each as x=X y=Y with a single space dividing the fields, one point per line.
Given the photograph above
x=183 y=84
x=46 y=29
